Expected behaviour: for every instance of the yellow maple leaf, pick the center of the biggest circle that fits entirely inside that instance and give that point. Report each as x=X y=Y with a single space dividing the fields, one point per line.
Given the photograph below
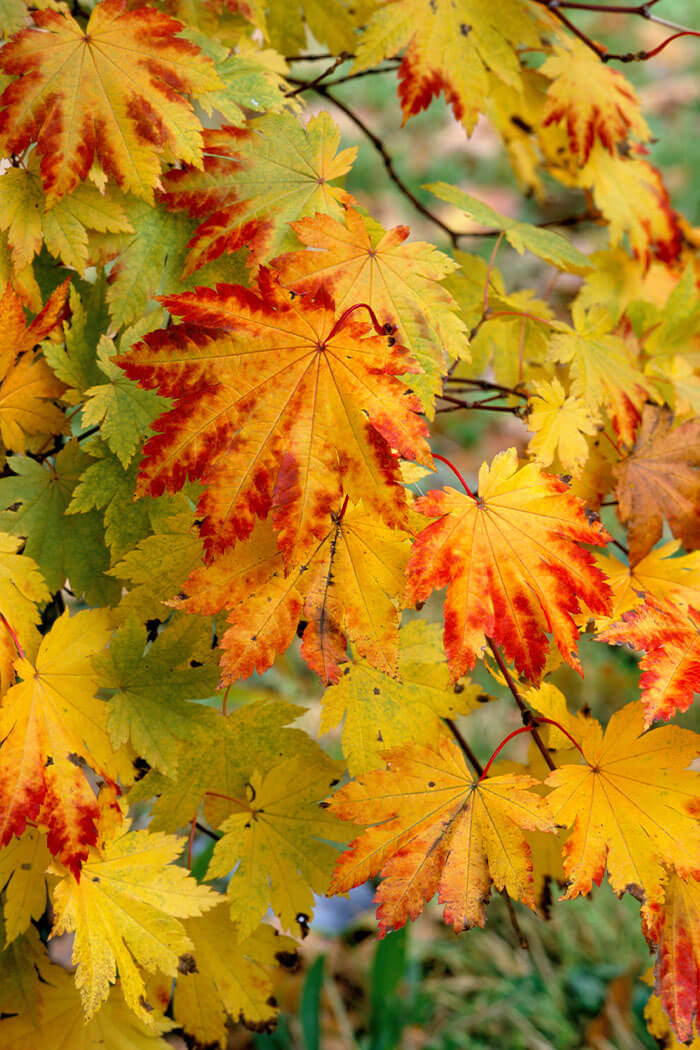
x=382 y=712
x=630 y=802
x=277 y=839
x=604 y=370
x=56 y=1020
x=660 y=574
x=113 y=92
x=560 y=423
x=125 y=912
x=230 y=978
x=434 y=829
x=23 y=864
x=23 y=591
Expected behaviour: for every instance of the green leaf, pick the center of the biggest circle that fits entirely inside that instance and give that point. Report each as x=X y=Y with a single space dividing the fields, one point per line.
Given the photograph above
x=123 y=410
x=106 y=486
x=154 y=684
x=73 y=550
x=545 y=244
x=153 y=262
x=76 y=363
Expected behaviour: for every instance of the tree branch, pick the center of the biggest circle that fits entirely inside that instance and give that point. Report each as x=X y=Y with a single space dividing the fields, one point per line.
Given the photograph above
x=525 y=712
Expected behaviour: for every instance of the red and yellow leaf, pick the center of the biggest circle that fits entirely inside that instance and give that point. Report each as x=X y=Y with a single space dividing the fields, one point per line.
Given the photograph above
x=433 y=829
x=280 y=405
x=113 y=94
x=670 y=637
x=512 y=563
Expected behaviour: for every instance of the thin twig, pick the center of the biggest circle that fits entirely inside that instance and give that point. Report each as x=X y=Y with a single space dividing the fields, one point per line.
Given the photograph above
x=514 y=410
x=466 y=750
x=311 y=84
x=207 y=831
x=514 y=920
x=525 y=713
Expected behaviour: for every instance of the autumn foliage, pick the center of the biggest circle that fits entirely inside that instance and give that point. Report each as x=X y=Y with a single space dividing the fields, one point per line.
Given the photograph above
x=220 y=387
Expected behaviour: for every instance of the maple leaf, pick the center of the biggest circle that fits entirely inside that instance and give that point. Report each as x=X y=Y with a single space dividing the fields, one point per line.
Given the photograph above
x=125 y=911
x=51 y=715
x=56 y=1020
x=351 y=584
x=152 y=688
x=604 y=372
x=27 y=386
x=512 y=565
x=39 y=495
x=435 y=829
x=449 y=47
x=23 y=864
x=74 y=362
x=114 y=92
x=233 y=977
x=120 y=407
x=278 y=841
x=594 y=101
x=151 y=263
x=279 y=404
x=661 y=574
x=357 y=261
x=634 y=200
x=220 y=756
x=22 y=590
x=670 y=637
x=559 y=423
x=63 y=229
x=545 y=244
x=382 y=712
x=673 y=926
x=660 y=478
x=255 y=182
x=105 y=486
x=20 y=986
x=659 y=1025
x=631 y=803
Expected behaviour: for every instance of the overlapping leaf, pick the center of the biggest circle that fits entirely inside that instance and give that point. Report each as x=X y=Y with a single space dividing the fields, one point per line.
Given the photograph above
x=256 y=181
x=662 y=575
x=660 y=479
x=361 y=263
x=49 y=717
x=114 y=93
x=277 y=843
x=382 y=712
x=350 y=586
x=512 y=563
x=673 y=928
x=433 y=829
x=125 y=912
x=670 y=637
x=280 y=404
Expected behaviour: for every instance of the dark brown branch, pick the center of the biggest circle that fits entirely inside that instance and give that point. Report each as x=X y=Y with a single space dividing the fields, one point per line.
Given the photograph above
x=311 y=84
x=525 y=712
x=514 y=920
x=485 y=384
x=514 y=410
x=207 y=831
x=466 y=750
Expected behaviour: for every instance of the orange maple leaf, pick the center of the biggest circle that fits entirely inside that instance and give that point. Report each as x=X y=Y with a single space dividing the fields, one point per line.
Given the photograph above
x=280 y=405
x=350 y=586
x=673 y=927
x=670 y=637
x=27 y=384
x=435 y=829
x=359 y=262
x=660 y=479
x=512 y=565
x=112 y=93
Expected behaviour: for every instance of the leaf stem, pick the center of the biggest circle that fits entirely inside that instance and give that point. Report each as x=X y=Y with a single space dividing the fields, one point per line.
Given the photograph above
x=14 y=637
x=454 y=470
x=380 y=329
x=525 y=712
x=466 y=750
